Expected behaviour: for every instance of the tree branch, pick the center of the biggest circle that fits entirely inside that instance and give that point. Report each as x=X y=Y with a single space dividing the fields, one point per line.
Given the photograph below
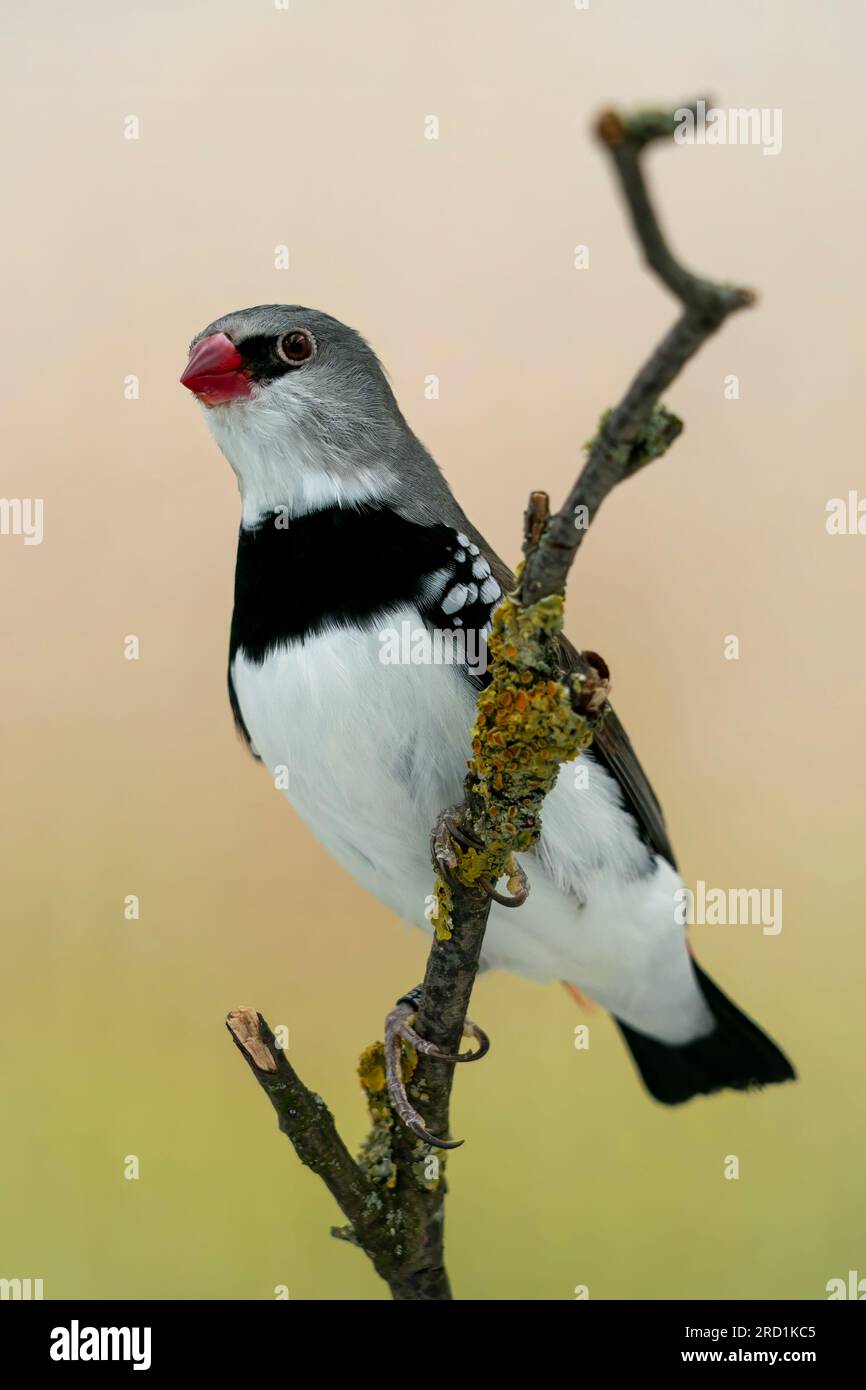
x=638 y=429
x=399 y=1230
x=305 y=1119
x=530 y=719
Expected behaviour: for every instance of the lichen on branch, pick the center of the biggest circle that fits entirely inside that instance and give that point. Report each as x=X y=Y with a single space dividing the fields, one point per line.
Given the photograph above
x=527 y=725
x=654 y=437
x=377 y=1157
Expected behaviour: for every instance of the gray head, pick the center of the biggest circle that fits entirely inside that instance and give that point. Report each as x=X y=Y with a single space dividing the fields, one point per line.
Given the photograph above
x=300 y=406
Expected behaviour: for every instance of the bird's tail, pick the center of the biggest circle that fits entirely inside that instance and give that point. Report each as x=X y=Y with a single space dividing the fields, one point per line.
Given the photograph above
x=736 y=1055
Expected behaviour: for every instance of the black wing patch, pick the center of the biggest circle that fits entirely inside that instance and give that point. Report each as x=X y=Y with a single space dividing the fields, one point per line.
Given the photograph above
x=462 y=592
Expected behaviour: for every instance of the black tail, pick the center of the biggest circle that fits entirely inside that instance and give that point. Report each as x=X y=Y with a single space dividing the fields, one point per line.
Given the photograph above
x=736 y=1055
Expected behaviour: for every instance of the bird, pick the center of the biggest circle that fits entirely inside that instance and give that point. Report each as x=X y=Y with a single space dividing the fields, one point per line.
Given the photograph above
x=350 y=534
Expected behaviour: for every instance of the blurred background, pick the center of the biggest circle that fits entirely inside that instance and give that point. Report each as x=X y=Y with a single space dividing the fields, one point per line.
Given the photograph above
x=304 y=127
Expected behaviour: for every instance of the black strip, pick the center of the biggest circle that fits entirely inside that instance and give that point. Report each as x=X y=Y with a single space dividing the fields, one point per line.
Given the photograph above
x=190 y=1339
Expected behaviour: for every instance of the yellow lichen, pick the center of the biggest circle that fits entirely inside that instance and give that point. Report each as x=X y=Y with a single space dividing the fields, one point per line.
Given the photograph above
x=371 y=1067
x=376 y=1156
x=441 y=914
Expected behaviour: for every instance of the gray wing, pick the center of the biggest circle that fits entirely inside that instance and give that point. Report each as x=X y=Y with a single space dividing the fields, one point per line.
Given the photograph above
x=612 y=747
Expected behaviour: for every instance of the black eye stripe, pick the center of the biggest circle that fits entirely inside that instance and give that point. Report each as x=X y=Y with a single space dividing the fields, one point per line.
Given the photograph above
x=261 y=357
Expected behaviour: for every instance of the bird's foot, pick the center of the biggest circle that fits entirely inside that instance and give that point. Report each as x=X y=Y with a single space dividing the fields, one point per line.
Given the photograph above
x=449 y=830
x=517 y=882
x=399 y=1029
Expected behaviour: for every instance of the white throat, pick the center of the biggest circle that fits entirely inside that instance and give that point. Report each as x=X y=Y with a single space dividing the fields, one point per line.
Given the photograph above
x=282 y=459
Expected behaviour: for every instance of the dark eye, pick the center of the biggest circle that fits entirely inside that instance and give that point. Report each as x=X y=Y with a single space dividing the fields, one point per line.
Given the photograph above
x=296 y=347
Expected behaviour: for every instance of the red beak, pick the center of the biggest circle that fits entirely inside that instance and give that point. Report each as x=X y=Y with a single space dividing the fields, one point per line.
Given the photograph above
x=215 y=371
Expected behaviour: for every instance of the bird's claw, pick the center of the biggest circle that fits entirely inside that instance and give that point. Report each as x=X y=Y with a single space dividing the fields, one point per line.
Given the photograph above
x=405 y=1030
x=521 y=890
x=399 y=1029
x=447 y=831
x=449 y=828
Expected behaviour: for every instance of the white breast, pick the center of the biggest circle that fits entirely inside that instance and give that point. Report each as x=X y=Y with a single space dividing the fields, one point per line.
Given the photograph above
x=372 y=751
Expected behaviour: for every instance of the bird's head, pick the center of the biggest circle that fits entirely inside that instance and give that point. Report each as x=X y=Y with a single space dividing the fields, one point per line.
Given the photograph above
x=300 y=406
